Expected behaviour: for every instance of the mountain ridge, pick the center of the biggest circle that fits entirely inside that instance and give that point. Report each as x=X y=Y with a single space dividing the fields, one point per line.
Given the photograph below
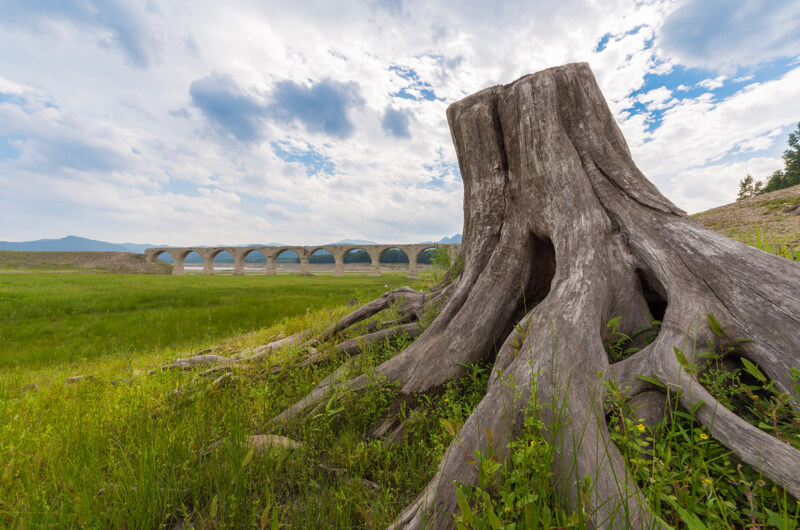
x=82 y=244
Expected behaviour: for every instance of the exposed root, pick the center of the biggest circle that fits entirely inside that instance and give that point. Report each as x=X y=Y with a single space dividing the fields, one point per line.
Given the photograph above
x=196 y=361
x=252 y=354
x=355 y=345
x=650 y=407
x=412 y=304
x=258 y=442
x=336 y=382
x=260 y=352
x=778 y=461
x=411 y=307
x=226 y=367
x=391 y=420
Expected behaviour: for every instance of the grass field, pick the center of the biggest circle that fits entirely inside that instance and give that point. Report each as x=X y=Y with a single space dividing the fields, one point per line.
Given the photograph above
x=47 y=318
x=123 y=449
x=133 y=446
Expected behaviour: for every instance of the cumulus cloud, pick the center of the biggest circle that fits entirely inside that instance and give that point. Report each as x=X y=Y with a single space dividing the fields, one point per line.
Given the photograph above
x=114 y=23
x=225 y=104
x=700 y=137
x=397 y=122
x=711 y=84
x=241 y=122
x=710 y=33
x=320 y=107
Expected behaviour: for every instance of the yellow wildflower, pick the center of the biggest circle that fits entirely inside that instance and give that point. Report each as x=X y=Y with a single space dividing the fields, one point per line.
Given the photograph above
x=640 y=427
x=703 y=436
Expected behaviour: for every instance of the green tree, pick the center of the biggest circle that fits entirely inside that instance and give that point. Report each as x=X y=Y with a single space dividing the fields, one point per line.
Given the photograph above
x=780 y=179
x=746 y=188
x=791 y=158
x=776 y=181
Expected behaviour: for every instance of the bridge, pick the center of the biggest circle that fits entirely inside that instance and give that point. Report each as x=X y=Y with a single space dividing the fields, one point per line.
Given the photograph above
x=304 y=253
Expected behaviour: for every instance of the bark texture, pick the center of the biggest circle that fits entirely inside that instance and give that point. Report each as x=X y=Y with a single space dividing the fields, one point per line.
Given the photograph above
x=562 y=232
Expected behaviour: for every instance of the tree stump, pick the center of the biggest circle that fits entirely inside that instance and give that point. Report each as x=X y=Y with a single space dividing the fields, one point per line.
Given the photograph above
x=562 y=233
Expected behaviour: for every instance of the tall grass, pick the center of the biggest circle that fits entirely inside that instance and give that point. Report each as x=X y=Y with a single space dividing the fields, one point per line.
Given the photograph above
x=784 y=246
x=125 y=450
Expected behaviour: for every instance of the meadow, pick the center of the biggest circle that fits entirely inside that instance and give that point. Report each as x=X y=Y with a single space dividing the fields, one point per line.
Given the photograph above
x=131 y=445
x=60 y=318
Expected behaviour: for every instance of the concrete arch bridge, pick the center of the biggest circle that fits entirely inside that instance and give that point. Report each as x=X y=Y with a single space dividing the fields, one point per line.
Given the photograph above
x=304 y=253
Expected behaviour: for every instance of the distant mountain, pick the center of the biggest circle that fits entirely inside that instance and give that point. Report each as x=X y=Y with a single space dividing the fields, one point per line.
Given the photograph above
x=72 y=244
x=136 y=247
x=82 y=244
x=456 y=239
x=354 y=242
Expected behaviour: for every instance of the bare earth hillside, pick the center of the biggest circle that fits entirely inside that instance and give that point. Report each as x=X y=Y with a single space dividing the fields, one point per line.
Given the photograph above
x=774 y=216
x=118 y=262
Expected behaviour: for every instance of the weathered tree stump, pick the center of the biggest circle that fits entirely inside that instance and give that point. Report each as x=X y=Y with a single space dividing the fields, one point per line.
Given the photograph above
x=562 y=233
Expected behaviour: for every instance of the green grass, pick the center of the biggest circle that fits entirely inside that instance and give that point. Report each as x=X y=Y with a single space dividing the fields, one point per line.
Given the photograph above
x=50 y=318
x=125 y=449
x=688 y=479
x=780 y=246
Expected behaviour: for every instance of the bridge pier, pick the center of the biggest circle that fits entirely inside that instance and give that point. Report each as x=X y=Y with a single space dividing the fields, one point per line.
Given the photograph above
x=177 y=263
x=305 y=270
x=412 y=269
x=238 y=263
x=272 y=269
x=375 y=258
x=338 y=260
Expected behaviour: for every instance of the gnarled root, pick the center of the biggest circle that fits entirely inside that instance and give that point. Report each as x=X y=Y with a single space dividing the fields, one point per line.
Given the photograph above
x=355 y=345
x=411 y=305
x=410 y=302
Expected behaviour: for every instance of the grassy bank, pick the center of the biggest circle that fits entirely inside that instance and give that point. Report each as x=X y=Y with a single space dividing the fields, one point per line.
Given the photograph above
x=770 y=222
x=53 y=318
x=113 y=262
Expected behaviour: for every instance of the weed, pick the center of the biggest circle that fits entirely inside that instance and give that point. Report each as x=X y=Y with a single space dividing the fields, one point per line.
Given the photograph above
x=688 y=476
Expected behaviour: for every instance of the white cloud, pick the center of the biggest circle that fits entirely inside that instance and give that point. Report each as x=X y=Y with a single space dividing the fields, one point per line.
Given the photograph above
x=699 y=132
x=721 y=33
x=697 y=189
x=112 y=147
x=711 y=84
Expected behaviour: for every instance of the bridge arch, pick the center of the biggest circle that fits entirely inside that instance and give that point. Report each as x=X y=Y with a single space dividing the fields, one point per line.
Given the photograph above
x=190 y=255
x=216 y=257
x=417 y=252
x=285 y=259
x=248 y=255
x=357 y=254
x=390 y=257
x=178 y=255
x=393 y=255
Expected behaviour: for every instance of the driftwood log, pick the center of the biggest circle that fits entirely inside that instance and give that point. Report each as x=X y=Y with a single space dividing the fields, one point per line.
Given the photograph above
x=562 y=233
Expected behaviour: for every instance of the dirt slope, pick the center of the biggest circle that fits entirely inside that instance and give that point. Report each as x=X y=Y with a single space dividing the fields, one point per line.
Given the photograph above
x=118 y=262
x=775 y=215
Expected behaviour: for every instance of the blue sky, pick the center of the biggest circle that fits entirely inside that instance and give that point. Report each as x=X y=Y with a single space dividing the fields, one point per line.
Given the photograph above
x=238 y=122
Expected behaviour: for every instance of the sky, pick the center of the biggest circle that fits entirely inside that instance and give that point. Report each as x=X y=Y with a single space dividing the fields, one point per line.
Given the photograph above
x=242 y=122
